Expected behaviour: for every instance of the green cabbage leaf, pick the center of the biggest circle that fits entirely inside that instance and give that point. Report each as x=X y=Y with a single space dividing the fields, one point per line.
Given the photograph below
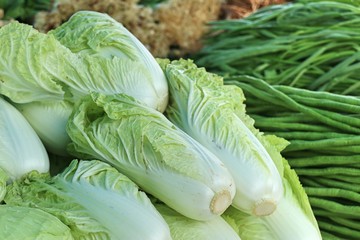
x=31 y=223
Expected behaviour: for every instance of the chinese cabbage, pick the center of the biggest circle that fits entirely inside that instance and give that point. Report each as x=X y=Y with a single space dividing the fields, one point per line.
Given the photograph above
x=145 y=146
x=213 y=114
x=94 y=200
x=98 y=34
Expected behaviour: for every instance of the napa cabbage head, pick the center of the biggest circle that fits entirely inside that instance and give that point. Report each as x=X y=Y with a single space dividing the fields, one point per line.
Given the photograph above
x=94 y=200
x=159 y=157
x=45 y=79
x=214 y=115
x=98 y=34
x=17 y=222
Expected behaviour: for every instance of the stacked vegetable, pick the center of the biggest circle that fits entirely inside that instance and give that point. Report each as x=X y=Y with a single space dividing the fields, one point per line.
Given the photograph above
x=298 y=65
x=159 y=150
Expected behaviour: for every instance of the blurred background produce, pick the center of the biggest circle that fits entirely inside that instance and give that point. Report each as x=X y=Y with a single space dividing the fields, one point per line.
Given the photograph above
x=168 y=28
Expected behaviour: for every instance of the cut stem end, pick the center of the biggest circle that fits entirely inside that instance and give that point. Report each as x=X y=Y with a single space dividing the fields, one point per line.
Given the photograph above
x=220 y=202
x=264 y=207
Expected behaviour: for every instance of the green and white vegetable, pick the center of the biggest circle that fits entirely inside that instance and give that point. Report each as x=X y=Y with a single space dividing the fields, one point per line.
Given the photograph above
x=31 y=223
x=214 y=115
x=35 y=68
x=21 y=150
x=97 y=34
x=183 y=228
x=159 y=157
x=94 y=200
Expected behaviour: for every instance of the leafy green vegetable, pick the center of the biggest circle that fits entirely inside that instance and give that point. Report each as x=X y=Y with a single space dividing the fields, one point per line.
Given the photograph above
x=31 y=223
x=292 y=219
x=183 y=228
x=97 y=34
x=47 y=78
x=94 y=200
x=145 y=146
x=214 y=114
x=21 y=150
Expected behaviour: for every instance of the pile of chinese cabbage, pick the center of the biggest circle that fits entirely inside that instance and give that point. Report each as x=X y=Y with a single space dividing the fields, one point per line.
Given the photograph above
x=152 y=149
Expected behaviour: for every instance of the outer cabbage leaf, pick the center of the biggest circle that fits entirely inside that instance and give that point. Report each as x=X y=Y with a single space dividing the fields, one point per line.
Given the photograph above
x=183 y=228
x=31 y=223
x=21 y=150
x=24 y=76
x=94 y=200
x=144 y=145
x=293 y=218
x=213 y=114
x=97 y=34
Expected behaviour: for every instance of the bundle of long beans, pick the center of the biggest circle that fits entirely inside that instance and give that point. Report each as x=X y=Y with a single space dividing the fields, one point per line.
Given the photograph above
x=307 y=45
x=323 y=130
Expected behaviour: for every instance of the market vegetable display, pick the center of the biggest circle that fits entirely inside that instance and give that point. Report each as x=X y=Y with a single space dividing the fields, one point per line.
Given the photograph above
x=134 y=169
x=307 y=45
x=213 y=114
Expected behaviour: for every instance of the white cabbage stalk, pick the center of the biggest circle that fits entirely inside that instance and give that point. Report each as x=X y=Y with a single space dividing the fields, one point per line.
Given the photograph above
x=21 y=150
x=293 y=218
x=94 y=33
x=213 y=114
x=159 y=157
x=94 y=200
x=183 y=228
x=31 y=223
x=49 y=120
